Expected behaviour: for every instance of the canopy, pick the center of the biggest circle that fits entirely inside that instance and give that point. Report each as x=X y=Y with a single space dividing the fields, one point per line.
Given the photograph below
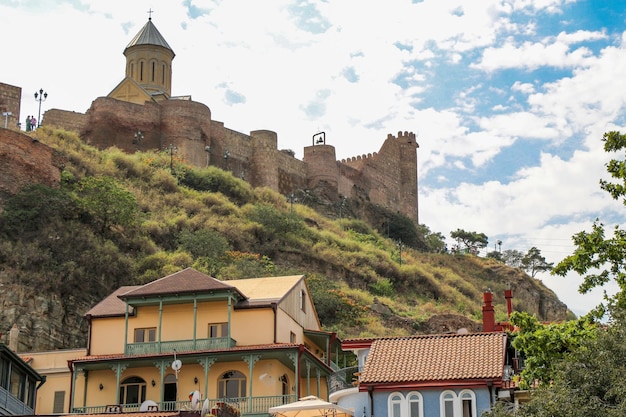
x=310 y=406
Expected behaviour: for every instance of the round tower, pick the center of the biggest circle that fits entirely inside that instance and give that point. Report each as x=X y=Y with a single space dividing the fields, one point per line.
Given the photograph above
x=149 y=61
x=321 y=166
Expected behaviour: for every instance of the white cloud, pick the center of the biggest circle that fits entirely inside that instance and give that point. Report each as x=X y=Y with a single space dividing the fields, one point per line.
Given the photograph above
x=333 y=66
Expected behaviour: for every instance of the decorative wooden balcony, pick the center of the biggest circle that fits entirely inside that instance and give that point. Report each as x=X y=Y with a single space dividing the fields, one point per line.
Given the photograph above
x=147 y=348
x=245 y=406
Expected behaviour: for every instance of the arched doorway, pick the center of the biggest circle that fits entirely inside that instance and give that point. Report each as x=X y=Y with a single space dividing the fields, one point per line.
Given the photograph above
x=170 y=388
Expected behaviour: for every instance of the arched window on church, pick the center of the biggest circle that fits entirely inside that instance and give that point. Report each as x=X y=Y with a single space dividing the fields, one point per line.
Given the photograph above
x=153 y=71
x=141 y=71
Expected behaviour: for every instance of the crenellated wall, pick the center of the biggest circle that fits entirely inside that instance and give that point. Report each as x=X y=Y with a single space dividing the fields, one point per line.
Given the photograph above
x=387 y=177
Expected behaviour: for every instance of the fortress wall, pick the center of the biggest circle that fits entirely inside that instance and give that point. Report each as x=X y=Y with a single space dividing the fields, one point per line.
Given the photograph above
x=387 y=177
x=264 y=162
x=291 y=173
x=230 y=150
x=62 y=119
x=351 y=181
x=357 y=162
x=113 y=122
x=24 y=161
x=10 y=101
x=321 y=165
x=408 y=198
x=187 y=125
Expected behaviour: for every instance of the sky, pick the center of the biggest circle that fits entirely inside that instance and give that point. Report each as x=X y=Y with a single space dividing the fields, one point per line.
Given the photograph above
x=509 y=99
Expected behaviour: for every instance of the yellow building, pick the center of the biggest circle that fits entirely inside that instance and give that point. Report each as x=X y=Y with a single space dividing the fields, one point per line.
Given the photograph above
x=188 y=340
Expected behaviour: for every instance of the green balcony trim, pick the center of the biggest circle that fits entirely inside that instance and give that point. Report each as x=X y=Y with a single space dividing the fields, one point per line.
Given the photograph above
x=149 y=348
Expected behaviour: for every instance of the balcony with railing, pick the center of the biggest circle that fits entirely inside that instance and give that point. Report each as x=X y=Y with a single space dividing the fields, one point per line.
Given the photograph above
x=227 y=407
x=148 y=348
x=343 y=379
x=12 y=405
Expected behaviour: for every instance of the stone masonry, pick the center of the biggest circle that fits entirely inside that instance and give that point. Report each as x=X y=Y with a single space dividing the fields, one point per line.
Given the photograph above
x=387 y=178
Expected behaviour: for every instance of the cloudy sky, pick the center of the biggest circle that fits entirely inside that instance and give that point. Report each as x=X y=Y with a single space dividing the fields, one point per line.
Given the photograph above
x=509 y=98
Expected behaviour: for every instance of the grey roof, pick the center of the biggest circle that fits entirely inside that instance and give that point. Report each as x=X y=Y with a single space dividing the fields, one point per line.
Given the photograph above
x=149 y=35
x=112 y=305
x=182 y=282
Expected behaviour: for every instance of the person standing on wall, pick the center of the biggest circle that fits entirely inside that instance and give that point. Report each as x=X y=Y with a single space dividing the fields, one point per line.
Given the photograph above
x=28 y=123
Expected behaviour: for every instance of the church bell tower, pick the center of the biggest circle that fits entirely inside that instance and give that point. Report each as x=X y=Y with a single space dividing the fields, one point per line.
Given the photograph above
x=149 y=62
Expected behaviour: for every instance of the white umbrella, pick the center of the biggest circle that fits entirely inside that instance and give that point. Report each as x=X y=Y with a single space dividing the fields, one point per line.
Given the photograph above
x=310 y=406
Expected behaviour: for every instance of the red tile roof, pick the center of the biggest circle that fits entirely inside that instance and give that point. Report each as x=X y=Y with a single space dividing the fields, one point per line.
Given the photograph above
x=186 y=281
x=435 y=358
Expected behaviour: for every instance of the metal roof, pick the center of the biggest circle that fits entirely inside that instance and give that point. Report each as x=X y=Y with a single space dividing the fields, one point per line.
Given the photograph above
x=149 y=35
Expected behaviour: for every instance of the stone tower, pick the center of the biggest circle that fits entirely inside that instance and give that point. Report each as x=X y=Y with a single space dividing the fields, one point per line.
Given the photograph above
x=148 y=68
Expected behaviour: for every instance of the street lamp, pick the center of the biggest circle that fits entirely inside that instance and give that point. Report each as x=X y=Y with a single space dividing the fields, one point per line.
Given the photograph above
x=226 y=155
x=400 y=245
x=138 y=138
x=171 y=150
x=40 y=97
x=207 y=149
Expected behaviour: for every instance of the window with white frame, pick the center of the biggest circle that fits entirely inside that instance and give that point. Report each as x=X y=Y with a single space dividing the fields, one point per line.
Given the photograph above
x=415 y=404
x=395 y=405
x=461 y=405
x=468 y=403
x=410 y=406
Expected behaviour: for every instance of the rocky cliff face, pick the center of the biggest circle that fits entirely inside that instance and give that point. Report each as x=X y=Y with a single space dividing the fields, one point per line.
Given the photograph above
x=44 y=322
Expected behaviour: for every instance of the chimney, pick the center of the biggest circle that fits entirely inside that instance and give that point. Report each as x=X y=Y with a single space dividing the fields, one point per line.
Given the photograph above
x=13 y=336
x=508 y=295
x=489 y=315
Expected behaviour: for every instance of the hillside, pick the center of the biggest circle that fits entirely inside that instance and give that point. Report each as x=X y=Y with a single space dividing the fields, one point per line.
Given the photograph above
x=120 y=219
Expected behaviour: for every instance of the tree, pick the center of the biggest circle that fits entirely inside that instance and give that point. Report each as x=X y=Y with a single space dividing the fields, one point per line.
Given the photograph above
x=472 y=241
x=434 y=241
x=106 y=202
x=533 y=262
x=544 y=345
x=495 y=255
x=513 y=258
x=587 y=381
x=602 y=259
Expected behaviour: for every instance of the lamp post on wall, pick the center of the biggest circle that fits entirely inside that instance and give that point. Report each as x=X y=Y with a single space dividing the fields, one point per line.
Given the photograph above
x=207 y=149
x=138 y=138
x=171 y=150
x=400 y=245
x=226 y=155
x=40 y=96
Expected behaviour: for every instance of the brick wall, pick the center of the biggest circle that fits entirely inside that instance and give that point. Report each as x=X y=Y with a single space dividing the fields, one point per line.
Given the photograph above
x=24 y=161
x=63 y=119
x=10 y=101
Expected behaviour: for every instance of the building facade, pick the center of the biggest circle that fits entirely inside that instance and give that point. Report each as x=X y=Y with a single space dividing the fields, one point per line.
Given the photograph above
x=189 y=340
x=445 y=375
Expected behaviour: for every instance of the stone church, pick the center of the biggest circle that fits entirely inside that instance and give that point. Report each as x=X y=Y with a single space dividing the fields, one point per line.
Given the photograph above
x=141 y=114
